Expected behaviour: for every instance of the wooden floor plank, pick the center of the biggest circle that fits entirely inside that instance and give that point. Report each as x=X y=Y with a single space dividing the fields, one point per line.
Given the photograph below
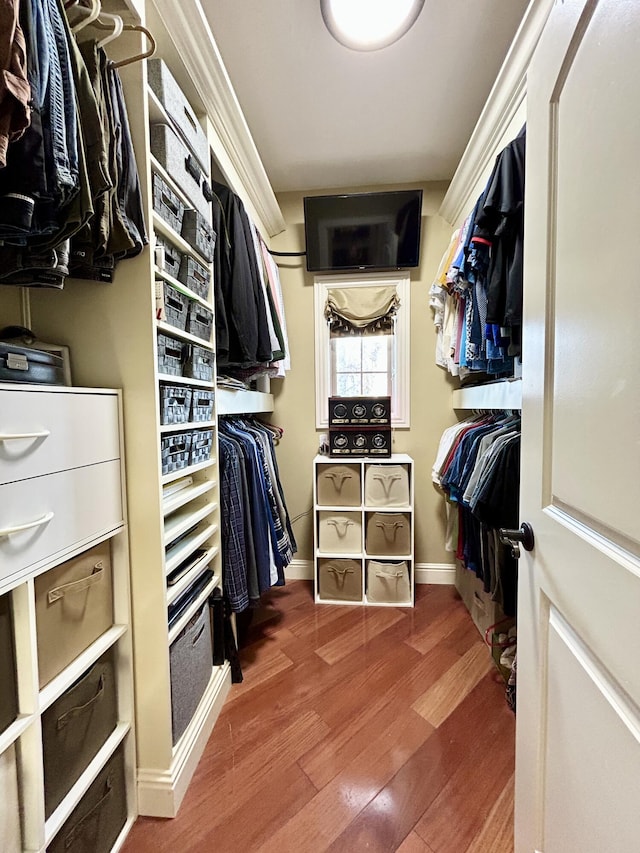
x=496 y=835
x=375 y=621
x=414 y=844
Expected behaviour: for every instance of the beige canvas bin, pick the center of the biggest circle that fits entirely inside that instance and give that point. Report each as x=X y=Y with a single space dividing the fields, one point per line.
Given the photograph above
x=388 y=534
x=339 y=485
x=340 y=580
x=340 y=532
x=388 y=582
x=74 y=606
x=386 y=485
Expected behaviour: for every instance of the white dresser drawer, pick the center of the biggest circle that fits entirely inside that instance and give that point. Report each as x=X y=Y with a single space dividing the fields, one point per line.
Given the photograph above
x=42 y=432
x=56 y=512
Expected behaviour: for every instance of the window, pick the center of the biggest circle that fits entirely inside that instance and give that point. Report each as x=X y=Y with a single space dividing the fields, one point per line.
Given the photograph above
x=363 y=363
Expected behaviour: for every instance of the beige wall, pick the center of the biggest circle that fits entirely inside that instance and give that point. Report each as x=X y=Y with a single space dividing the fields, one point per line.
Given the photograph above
x=431 y=409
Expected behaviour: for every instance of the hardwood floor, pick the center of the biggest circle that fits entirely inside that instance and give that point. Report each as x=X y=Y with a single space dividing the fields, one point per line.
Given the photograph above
x=355 y=729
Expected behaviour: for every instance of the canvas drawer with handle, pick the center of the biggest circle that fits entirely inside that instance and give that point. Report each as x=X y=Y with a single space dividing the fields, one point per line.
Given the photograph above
x=171 y=152
x=75 y=727
x=97 y=821
x=388 y=583
x=43 y=431
x=340 y=580
x=388 y=534
x=338 y=485
x=8 y=690
x=39 y=527
x=10 y=831
x=183 y=117
x=340 y=532
x=191 y=663
x=386 y=485
x=74 y=606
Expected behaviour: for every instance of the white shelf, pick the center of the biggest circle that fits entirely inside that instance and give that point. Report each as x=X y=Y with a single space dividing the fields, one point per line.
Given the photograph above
x=17 y=728
x=190 y=425
x=186 y=495
x=175 y=590
x=179 y=522
x=193 y=608
x=335 y=555
x=504 y=394
x=387 y=508
x=191 y=469
x=182 y=288
x=168 y=379
x=242 y=402
x=179 y=553
x=168 y=329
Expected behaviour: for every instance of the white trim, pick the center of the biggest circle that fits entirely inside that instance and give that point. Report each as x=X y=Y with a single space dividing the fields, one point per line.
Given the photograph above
x=433 y=573
x=506 y=98
x=194 y=41
x=401 y=400
x=436 y=573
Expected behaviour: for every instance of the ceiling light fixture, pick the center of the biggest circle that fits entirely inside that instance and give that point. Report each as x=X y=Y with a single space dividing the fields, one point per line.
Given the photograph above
x=369 y=24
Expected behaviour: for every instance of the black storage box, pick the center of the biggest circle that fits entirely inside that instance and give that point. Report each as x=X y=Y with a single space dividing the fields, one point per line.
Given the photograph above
x=180 y=163
x=167 y=204
x=8 y=693
x=24 y=364
x=198 y=233
x=357 y=441
x=75 y=727
x=98 y=819
x=352 y=411
x=199 y=363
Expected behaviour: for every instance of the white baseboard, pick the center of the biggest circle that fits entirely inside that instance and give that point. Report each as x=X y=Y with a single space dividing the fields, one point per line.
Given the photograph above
x=160 y=792
x=436 y=573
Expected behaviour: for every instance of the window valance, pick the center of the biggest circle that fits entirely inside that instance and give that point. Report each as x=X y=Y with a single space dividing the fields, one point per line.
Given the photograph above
x=361 y=309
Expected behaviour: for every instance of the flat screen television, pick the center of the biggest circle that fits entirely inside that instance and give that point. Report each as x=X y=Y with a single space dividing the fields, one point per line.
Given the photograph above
x=363 y=231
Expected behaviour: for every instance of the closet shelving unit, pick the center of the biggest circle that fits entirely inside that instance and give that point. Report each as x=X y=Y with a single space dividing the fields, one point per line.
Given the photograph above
x=506 y=394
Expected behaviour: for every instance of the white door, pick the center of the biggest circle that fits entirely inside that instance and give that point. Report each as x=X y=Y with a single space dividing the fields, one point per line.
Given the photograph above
x=578 y=720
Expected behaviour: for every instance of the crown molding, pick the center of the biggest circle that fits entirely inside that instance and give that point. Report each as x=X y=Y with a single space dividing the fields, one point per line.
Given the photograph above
x=192 y=37
x=506 y=98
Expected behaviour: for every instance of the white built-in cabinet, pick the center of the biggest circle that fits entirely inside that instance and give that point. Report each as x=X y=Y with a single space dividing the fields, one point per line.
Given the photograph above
x=364 y=530
x=61 y=495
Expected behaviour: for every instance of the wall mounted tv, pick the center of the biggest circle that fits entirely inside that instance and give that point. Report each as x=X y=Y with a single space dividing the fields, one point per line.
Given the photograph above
x=363 y=231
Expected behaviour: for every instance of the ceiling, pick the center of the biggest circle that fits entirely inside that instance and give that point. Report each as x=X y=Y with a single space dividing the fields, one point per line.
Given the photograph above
x=324 y=116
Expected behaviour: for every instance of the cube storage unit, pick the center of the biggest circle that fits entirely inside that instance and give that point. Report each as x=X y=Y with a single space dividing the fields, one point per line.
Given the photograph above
x=363 y=531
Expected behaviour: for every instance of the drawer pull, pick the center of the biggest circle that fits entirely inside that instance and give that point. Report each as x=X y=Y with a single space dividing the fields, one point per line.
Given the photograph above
x=16 y=436
x=20 y=527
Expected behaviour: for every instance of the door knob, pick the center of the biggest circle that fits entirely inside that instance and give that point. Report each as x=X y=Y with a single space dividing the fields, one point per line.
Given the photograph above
x=514 y=538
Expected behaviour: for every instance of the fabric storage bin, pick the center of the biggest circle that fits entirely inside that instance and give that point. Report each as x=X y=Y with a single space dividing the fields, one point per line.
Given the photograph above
x=340 y=580
x=10 y=831
x=8 y=692
x=25 y=364
x=171 y=306
x=74 y=606
x=180 y=163
x=388 y=534
x=175 y=404
x=338 y=485
x=75 y=727
x=175 y=451
x=167 y=204
x=191 y=663
x=340 y=533
x=388 y=582
x=198 y=363
x=199 y=321
x=202 y=405
x=195 y=276
x=168 y=258
x=201 y=442
x=97 y=821
x=386 y=485
x=170 y=355
x=198 y=233
x=164 y=86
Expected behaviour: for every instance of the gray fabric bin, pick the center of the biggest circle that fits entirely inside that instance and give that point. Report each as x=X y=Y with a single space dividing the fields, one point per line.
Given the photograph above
x=167 y=204
x=181 y=164
x=202 y=405
x=195 y=276
x=171 y=306
x=8 y=693
x=170 y=354
x=175 y=451
x=175 y=404
x=75 y=727
x=201 y=442
x=200 y=321
x=97 y=821
x=198 y=233
x=163 y=84
x=199 y=363
x=168 y=259
x=191 y=664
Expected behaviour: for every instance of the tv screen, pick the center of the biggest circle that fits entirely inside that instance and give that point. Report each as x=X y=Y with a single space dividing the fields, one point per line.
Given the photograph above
x=361 y=231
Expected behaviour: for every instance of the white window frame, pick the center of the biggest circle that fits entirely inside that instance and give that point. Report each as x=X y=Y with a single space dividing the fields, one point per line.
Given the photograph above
x=400 y=377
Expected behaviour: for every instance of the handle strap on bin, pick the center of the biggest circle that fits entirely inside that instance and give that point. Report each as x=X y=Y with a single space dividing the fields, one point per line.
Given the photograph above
x=59 y=592
x=72 y=713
